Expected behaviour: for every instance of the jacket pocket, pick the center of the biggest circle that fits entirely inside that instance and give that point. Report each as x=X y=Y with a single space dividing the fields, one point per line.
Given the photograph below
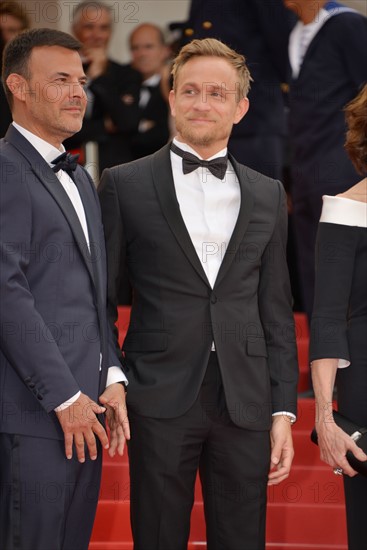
x=256 y=347
x=145 y=341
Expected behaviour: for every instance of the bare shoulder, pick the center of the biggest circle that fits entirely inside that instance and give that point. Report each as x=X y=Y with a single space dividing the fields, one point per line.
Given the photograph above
x=356 y=193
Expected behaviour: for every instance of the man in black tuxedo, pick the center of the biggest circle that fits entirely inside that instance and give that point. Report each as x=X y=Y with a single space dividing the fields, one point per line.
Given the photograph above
x=112 y=114
x=149 y=55
x=57 y=357
x=210 y=348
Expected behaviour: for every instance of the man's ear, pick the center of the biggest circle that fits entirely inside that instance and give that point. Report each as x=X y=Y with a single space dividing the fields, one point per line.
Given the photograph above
x=242 y=108
x=171 y=99
x=17 y=85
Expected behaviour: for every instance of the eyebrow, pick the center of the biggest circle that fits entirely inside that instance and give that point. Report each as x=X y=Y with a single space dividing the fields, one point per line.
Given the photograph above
x=60 y=73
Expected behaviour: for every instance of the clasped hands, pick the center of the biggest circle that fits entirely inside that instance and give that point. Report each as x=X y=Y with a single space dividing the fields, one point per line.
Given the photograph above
x=81 y=426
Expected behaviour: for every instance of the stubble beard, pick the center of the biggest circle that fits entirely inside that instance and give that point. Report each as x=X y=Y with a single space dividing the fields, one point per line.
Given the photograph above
x=194 y=137
x=199 y=139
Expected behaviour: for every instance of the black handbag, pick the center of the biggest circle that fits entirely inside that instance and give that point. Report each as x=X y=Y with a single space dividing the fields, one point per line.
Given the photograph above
x=359 y=435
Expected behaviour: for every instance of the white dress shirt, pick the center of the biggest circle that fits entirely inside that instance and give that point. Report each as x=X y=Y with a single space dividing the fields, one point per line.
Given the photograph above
x=209 y=207
x=49 y=153
x=301 y=37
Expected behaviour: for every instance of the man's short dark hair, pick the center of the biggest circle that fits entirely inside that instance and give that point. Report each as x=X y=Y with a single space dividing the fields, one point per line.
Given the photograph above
x=18 y=51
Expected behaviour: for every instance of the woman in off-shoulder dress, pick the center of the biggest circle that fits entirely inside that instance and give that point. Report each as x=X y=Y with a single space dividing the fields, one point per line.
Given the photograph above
x=338 y=347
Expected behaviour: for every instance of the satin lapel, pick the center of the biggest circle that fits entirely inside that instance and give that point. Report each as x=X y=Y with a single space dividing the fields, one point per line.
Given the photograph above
x=247 y=203
x=47 y=177
x=163 y=182
x=92 y=215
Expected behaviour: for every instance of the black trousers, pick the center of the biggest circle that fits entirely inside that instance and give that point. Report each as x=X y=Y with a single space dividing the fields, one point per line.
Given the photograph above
x=165 y=455
x=46 y=501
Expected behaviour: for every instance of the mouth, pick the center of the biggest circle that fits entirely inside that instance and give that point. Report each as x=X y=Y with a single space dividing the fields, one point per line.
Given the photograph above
x=73 y=110
x=201 y=121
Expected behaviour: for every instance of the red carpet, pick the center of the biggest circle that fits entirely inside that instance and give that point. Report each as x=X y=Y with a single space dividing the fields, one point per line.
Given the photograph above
x=306 y=512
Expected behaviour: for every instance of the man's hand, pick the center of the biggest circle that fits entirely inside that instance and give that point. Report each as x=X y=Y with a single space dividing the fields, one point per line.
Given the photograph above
x=97 y=60
x=282 y=451
x=114 y=399
x=81 y=427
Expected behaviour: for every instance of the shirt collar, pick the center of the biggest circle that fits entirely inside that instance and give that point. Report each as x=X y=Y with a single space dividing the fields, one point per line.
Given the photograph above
x=45 y=149
x=186 y=147
x=152 y=80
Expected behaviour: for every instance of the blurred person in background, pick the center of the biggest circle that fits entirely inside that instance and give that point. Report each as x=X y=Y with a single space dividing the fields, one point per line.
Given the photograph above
x=112 y=114
x=13 y=20
x=328 y=57
x=338 y=347
x=149 y=56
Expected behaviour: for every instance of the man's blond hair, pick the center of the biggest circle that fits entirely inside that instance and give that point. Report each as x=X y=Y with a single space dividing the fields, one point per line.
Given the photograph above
x=211 y=47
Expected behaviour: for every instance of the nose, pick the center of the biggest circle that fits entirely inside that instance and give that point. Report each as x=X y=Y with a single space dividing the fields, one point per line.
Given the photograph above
x=77 y=90
x=202 y=102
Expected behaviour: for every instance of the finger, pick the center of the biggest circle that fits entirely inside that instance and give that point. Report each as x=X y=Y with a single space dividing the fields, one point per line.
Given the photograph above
x=90 y=440
x=126 y=428
x=277 y=480
x=121 y=440
x=100 y=432
x=97 y=409
x=359 y=454
x=79 y=446
x=279 y=474
x=276 y=453
x=68 y=445
x=113 y=442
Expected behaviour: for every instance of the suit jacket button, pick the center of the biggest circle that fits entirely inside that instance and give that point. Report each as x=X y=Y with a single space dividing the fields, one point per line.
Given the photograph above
x=207 y=25
x=213 y=299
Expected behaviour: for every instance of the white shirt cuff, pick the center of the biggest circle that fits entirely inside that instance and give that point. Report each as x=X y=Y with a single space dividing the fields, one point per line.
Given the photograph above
x=115 y=375
x=290 y=415
x=67 y=403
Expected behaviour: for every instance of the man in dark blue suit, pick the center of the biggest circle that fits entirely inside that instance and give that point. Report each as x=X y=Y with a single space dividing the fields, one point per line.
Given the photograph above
x=328 y=55
x=258 y=30
x=56 y=353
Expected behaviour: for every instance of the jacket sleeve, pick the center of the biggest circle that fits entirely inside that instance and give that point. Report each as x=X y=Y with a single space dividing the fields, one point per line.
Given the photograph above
x=26 y=340
x=115 y=243
x=335 y=253
x=275 y=305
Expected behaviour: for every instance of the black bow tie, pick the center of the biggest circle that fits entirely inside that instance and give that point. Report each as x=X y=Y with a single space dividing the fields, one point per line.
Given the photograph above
x=67 y=162
x=190 y=162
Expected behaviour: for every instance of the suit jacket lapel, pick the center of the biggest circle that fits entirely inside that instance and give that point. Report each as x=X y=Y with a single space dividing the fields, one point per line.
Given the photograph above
x=91 y=214
x=163 y=182
x=243 y=219
x=47 y=177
